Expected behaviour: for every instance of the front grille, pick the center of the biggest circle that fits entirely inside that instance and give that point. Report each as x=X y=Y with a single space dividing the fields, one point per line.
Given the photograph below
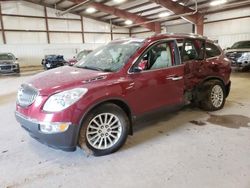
x=26 y=95
x=5 y=67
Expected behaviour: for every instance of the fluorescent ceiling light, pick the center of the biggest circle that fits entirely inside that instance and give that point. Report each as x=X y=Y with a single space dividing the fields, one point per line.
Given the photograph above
x=90 y=10
x=163 y=14
x=218 y=2
x=118 y=1
x=128 y=22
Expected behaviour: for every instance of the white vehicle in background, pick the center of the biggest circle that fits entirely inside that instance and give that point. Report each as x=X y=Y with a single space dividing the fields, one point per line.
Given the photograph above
x=239 y=54
x=8 y=63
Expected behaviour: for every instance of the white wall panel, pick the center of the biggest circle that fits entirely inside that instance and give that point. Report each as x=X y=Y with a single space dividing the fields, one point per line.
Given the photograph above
x=1 y=38
x=95 y=26
x=97 y=38
x=22 y=8
x=228 y=14
x=143 y=35
x=26 y=37
x=33 y=54
x=120 y=30
x=182 y=28
x=52 y=13
x=120 y=36
x=139 y=29
x=23 y=23
x=228 y=32
x=65 y=38
x=64 y=25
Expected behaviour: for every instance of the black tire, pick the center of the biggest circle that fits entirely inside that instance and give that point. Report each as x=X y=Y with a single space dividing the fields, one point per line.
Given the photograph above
x=100 y=111
x=207 y=102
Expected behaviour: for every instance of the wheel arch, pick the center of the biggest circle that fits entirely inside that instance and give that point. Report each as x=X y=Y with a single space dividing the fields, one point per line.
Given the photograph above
x=117 y=101
x=196 y=94
x=209 y=78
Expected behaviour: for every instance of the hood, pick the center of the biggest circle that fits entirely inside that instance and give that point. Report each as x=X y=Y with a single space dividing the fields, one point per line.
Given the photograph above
x=238 y=50
x=58 y=79
x=6 y=61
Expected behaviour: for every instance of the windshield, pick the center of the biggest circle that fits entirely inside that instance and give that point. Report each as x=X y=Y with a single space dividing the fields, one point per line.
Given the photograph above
x=242 y=44
x=111 y=57
x=82 y=54
x=6 y=57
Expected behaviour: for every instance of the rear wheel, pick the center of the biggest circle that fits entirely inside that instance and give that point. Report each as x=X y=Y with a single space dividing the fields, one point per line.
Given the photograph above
x=104 y=130
x=213 y=95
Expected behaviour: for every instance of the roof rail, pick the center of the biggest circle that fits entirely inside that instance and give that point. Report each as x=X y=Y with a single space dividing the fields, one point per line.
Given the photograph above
x=184 y=34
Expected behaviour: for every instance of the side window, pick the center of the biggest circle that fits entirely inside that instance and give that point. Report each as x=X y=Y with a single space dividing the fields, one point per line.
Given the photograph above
x=162 y=57
x=157 y=57
x=212 y=50
x=193 y=50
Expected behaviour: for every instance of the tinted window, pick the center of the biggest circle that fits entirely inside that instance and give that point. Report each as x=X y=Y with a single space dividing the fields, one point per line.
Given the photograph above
x=193 y=50
x=212 y=50
x=6 y=57
x=242 y=44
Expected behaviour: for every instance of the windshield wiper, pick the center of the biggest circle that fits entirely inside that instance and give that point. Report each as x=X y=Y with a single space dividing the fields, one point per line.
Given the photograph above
x=95 y=68
x=90 y=68
x=107 y=70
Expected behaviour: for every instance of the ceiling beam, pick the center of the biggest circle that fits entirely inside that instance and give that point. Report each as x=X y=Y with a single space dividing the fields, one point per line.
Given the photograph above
x=61 y=9
x=178 y=9
x=154 y=26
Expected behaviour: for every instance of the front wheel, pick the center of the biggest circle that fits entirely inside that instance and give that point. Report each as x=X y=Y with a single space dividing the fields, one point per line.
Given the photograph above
x=214 y=95
x=104 y=130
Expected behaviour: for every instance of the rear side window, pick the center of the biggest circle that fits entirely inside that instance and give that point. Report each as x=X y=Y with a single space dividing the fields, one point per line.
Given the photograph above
x=212 y=50
x=193 y=50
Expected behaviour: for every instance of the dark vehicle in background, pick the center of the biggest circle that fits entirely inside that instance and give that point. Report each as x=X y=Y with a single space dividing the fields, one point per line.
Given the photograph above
x=239 y=54
x=8 y=63
x=82 y=54
x=95 y=103
x=53 y=61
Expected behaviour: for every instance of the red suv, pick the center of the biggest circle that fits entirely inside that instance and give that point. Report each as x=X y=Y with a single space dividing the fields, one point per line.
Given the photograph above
x=96 y=102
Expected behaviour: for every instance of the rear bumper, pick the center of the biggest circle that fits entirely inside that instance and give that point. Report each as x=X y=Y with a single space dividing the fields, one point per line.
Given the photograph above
x=66 y=141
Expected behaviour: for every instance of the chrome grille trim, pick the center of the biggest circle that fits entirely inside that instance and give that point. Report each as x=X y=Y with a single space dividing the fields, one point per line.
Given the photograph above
x=26 y=95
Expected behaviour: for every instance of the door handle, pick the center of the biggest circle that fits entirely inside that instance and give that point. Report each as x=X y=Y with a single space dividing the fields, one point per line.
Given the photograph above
x=174 y=78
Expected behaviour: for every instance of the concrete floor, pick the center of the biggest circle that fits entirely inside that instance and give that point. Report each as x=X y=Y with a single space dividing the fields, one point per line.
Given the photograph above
x=189 y=148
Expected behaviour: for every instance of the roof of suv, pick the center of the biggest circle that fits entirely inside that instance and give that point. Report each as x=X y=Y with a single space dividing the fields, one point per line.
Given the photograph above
x=164 y=36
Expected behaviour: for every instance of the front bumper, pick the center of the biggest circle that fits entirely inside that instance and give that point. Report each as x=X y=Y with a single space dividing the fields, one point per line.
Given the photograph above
x=9 y=68
x=240 y=64
x=66 y=141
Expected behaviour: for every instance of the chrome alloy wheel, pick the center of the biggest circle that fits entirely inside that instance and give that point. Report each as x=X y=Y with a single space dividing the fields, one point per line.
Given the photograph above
x=217 y=96
x=103 y=131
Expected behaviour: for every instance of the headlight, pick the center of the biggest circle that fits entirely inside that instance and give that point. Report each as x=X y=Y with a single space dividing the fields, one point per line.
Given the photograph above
x=245 y=56
x=62 y=100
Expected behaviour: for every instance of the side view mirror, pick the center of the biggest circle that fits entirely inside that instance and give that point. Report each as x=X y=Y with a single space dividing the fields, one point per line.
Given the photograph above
x=141 y=66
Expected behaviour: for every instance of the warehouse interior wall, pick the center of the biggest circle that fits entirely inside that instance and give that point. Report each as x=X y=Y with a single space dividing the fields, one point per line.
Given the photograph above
x=27 y=39
x=228 y=27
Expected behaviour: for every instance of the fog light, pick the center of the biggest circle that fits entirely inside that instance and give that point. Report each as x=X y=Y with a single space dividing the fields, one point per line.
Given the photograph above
x=51 y=127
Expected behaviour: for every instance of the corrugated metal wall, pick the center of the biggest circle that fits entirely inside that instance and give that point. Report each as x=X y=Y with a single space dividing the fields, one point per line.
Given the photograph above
x=229 y=31
x=30 y=47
